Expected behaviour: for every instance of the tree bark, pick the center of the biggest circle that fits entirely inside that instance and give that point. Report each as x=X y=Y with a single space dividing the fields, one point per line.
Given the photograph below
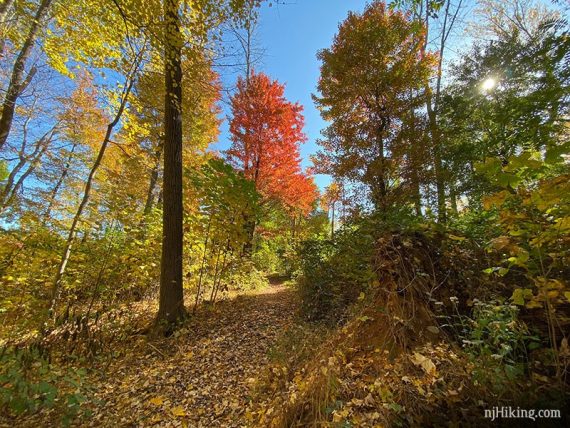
x=152 y=183
x=12 y=186
x=171 y=297
x=17 y=81
x=437 y=163
x=58 y=184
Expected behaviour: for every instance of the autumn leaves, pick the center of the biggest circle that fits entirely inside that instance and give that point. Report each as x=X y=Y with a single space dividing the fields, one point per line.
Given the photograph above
x=267 y=131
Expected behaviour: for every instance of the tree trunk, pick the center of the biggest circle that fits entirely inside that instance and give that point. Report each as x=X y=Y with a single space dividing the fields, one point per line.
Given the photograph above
x=152 y=184
x=438 y=167
x=171 y=300
x=17 y=81
x=332 y=219
x=58 y=184
x=12 y=186
x=433 y=105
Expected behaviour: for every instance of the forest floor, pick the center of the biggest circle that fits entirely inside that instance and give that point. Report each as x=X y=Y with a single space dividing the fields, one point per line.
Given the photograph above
x=200 y=377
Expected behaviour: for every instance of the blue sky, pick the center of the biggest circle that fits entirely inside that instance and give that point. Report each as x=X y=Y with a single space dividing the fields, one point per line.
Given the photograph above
x=291 y=34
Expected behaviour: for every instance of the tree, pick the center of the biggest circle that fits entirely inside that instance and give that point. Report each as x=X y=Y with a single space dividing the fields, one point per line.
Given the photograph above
x=89 y=185
x=19 y=80
x=144 y=123
x=171 y=298
x=524 y=109
x=330 y=197
x=439 y=18
x=266 y=132
x=82 y=126
x=370 y=79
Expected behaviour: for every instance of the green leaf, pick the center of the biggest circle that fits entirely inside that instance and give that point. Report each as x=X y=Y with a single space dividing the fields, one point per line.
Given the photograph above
x=456 y=238
x=508 y=180
x=518 y=297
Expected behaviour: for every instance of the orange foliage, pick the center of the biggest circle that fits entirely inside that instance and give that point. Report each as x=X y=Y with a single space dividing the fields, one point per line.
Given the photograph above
x=267 y=131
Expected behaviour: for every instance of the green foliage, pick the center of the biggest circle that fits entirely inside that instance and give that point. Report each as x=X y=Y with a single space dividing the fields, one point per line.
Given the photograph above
x=244 y=276
x=497 y=342
x=267 y=257
x=519 y=121
x=333 y=273
x=28 y=383
x=496 y=332
x=218 y=230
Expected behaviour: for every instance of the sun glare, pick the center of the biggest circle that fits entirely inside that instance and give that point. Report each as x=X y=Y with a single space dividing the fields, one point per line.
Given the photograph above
x=489 y=84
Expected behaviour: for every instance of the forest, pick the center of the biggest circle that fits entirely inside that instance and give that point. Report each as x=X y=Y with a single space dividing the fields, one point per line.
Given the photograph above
x=195 y=231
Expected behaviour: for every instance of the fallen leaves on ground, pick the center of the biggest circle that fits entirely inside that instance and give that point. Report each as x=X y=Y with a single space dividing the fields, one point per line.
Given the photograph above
x=203 y=378
x=200 y=377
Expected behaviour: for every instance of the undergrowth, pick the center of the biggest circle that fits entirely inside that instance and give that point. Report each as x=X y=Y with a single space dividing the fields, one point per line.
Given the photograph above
x=423 y=336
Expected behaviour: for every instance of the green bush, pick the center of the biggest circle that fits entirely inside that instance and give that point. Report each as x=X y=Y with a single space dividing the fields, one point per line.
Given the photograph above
x=29 y=383
x=333 y=273
x=497 y=342
x=245 y=276
x=266 y=257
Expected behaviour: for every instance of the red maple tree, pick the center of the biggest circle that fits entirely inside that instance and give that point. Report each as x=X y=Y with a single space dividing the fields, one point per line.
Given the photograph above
x=267 y=132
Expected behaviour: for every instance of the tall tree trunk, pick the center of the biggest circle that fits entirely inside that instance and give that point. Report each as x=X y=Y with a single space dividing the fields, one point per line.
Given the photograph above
x=152 y=183
x=17 y=81
x=58 y=184
x=437 y=163
x=87 y=193
x=332 y=219
x=171 y=299
x=432 y=102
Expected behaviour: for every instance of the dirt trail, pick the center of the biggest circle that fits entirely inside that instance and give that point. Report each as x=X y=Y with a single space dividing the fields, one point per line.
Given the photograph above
x=201 y=377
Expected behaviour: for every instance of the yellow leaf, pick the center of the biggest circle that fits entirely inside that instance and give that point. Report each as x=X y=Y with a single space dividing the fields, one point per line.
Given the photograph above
x=157 y=401
x=424 y=362
x=178 y=411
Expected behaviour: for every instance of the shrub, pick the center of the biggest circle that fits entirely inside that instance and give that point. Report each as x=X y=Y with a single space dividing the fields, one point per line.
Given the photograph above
x=335 y=272
x=245 y=276
x=496 y=341
x=29 y=383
